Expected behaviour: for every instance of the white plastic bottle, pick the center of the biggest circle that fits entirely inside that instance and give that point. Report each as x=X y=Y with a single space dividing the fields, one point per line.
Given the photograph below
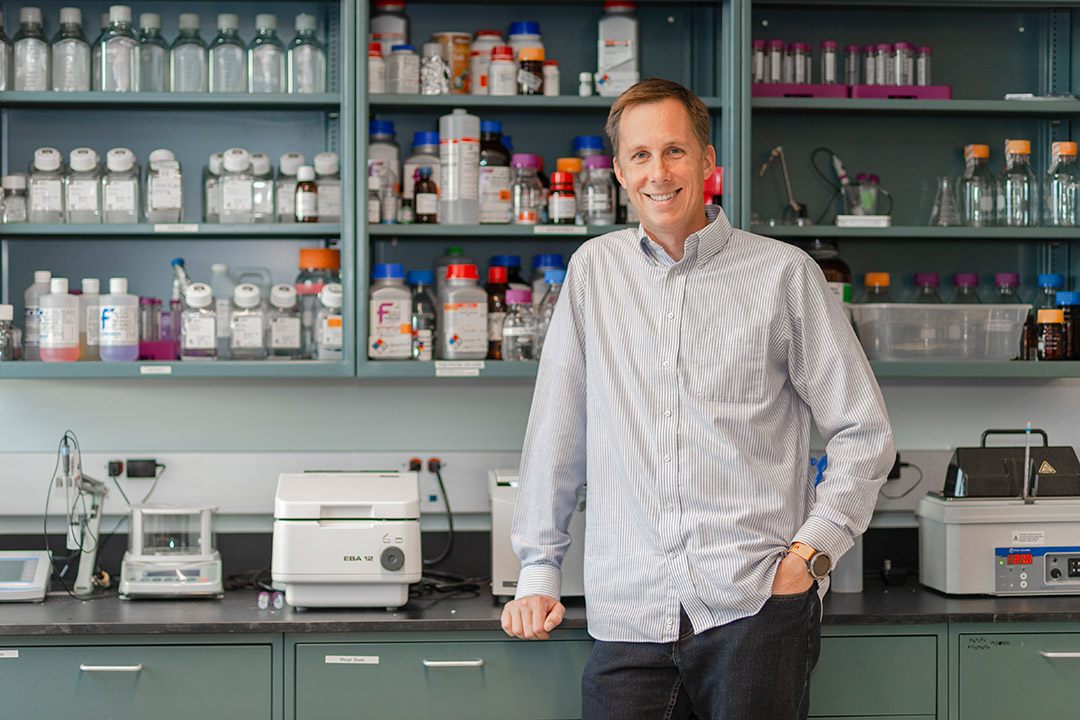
x=459 y=168
x=119 y=339
x=329 y=339
x=286 y=186
x=376 y=70
x=237 y=188
x=188 y=60
x=307 y=58
x=262 y=188
x=482 y=45
x=618 y=48
x=212 y=188
x=32 y=318
x=283 y=323
x=120 y=187
x=120 y=53
x=59 y=323
x=266 y=57
x=70 y=54
x=462 y=315
x=90 y=320
x=390 y=319
x=82 y=187
x=153 y=55
x=227 y=57
x=222 y=286
x=46 y=197
x=164 y=188
x=389 y=24
x=200 y=334
x=328 y=180
x=31 y=52
x=247 y=324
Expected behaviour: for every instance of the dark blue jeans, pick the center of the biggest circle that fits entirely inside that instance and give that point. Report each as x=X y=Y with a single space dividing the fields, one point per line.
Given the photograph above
x=757 y=668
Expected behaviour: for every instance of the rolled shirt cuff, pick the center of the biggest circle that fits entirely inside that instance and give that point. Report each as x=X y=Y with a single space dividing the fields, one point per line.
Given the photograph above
x=824 y=536
x=540 y=579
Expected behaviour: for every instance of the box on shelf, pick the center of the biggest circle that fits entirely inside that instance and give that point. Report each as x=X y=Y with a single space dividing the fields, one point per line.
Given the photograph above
x=864 y=221
x=932 y=332
x=798 y=90
x=904 y=92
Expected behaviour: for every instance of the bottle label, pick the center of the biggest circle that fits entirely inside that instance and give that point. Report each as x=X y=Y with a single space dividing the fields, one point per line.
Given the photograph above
x=119 y=325
x=285 y=333
x=842 y=291
x=561 y=207
x=329 y=197
x=44 y=195
x=403 y=73
x=31 y=64
x=495 y=194
x=502 y=78
x=199 y=333
x=374 y=209
x=526 y=216
x=597 y=202
x=32 y=329
x=495 y=326
x=391 y=329
x=529 y=81
x=408 y=178
x=247 y=331
x=330 y=335
x=82 y=195
x=120 y=196
x=307 y=205
x=460 y=161
x=522 y=331
x=223 y=309
x=465 y=328
x=92 y=325
x=423 y=345
x=262 y=199
x=165 y=192
x=376 y=68
x=286 y=200
x=59 y=327
x=236 y=195
x=615 y=53
x=428 y=204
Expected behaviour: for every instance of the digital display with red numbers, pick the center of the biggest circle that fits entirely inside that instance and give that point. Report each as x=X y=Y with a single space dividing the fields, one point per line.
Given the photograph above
x=1020 y=559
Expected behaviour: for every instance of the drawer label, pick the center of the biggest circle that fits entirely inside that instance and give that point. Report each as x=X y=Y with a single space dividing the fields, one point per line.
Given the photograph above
x=352 y=659
x=9 y=654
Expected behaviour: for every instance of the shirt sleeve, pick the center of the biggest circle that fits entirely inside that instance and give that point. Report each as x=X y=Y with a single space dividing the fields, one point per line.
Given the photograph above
x=829 y=370
x=553 y=457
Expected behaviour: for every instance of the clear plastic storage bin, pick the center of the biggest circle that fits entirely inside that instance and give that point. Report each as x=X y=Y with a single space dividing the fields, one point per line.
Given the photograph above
x=910 y=331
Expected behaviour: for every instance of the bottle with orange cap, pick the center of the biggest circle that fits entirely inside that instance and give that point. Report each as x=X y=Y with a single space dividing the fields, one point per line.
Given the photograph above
x=1061 y=186
x=573 y=165
x=1017 y=205
x=877 y=288
x=318 y=268
x=977 y=188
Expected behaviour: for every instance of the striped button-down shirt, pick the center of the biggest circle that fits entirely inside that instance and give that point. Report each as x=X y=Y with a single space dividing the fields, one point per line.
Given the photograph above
x=683 y=394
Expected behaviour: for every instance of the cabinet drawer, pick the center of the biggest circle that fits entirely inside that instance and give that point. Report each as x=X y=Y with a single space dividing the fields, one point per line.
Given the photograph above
x=447 y=680
x=880 y=675
x=1034 y=675
x=134 y=682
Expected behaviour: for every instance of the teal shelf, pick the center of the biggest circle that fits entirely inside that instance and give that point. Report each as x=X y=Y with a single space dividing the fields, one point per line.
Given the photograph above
x=916 y=232
x=196 y=101
x=443 y=369
x=543 y=232
x=178 y=369
x=191 y=231
x=1038 y=108
x=1010 y=370
x=509 y=102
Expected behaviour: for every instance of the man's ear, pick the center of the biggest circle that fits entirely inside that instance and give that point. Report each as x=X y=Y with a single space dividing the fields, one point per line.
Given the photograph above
x=710 y=161
x=618 y=171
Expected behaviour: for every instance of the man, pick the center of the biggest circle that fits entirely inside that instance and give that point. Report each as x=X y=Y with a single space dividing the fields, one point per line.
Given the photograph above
x=684 y=365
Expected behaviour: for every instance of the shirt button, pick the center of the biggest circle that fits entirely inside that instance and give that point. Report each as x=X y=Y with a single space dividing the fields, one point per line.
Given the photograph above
x=667 y=458
x=667 y=413
x=672 y=555
x=671 y=508
x=670 y=622
x=666 y=363
x=670 y=315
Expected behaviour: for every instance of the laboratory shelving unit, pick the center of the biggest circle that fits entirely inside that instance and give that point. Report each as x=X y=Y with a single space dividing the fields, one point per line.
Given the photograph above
x=192 y=125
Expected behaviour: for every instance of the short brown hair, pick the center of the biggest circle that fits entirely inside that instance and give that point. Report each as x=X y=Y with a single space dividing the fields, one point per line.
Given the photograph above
x=651 y=90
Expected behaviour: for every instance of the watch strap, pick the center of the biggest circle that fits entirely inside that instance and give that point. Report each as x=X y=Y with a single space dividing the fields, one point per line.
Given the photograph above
x=803 y=550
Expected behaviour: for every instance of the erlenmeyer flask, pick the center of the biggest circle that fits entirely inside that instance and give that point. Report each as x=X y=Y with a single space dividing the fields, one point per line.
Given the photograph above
x=944 y=212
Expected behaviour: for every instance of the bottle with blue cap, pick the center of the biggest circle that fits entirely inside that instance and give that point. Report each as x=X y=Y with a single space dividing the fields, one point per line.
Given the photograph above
x=524 y=34
x=1069 y=304
x=403 y=70
x=390 y=311
x=495 y=205
x=541 y=265
x=425 y=153
x=588 y=146
x=423 y=313
x=383 y=148
x=553 y=282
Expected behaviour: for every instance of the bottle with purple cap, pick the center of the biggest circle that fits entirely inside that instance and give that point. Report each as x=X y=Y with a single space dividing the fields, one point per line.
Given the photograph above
x=926 y=288
x=965 y=289
x=1007 y=288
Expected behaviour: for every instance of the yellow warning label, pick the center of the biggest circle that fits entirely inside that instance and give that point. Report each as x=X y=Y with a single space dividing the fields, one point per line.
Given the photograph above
x=1046 y=468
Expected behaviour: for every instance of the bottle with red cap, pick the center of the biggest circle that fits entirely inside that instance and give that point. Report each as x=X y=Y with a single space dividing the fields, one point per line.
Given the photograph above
x=376 y=69
x=502 y=71
x=496 y=288
x=462 y=315
x=562 y=202
x=714 y=187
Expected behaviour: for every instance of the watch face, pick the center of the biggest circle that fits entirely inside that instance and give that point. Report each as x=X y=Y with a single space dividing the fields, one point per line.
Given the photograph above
x=820 y=565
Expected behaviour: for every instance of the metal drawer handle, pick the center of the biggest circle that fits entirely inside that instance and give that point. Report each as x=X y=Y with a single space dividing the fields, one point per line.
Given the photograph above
x=453 y=663
x=1049 y=654
x=111 y=668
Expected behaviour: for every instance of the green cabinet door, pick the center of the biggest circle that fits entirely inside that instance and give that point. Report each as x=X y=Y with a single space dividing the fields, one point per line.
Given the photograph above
x=512 y=680
x=1005 y=675
x=163 y=682
x=875 y=676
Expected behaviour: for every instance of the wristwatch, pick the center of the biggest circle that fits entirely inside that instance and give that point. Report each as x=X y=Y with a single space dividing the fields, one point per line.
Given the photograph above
x=818 y=562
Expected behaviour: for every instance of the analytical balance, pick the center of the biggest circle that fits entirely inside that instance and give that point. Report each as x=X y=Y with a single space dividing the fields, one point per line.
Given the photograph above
x=171 y=553
x=1006 y=523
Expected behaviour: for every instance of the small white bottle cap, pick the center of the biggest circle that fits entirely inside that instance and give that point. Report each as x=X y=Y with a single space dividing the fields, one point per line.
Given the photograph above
x=150 y=20
x=216 y=161
x=283 y=296
x=42 y=277
x=189 y=21
x=306 y=22
x=16 y=181
x=326 y=163
x=91 y=286
x=58 y=286
x=305 y=173
x=29 y=15
x=118 y=286
x=70 y=16
x=246 y=295
x=119 y=14
x=331 y=295
x=228 y=21
x=83 y=159
x=266 y=21
x=47 y=159
x=119 y=160
x=219 y=268
x=7 y=313
x=260 y=163
x=161 y=155
x=433 y=49
x=198 y=295
x=290 y=163
x=237 y=160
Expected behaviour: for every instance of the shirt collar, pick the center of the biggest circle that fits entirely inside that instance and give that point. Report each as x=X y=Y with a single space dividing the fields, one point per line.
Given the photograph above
x=699 y=247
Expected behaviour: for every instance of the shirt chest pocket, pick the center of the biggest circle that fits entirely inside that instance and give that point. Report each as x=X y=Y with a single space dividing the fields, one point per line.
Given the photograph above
x=729 y=364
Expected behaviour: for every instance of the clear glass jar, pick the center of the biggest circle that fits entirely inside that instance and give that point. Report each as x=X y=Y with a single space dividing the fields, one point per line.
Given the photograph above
x=519 y=327
x=262 y=188
x=757 y=61
x=82 y=187
x=31 y=56
x=599 y=191
x=236 y=187
x=46 y=196
x=283 y=326
x=774 y=61
x=852 y=64
x=800 y=62
x=198 y=324
x=247 y=324
x=1006 y=288
x=828 y=62
x=228 y=66
x=884 y=65
x=977 y=188
x=164 y=201
x=965 y=289
x=306 y=58
x=15 y=199
x=188 y=61
x=922 y=64
x=1017 y=203
x=266 y=57
x=153 y=55
x=120 y=187
x=10 y=348
x=904 y=63
x=926 y=288
x=329 y=323
x=526 y=190
x=70 y=54
x=1060 y=188
x=318 y=267
x=120 y=53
